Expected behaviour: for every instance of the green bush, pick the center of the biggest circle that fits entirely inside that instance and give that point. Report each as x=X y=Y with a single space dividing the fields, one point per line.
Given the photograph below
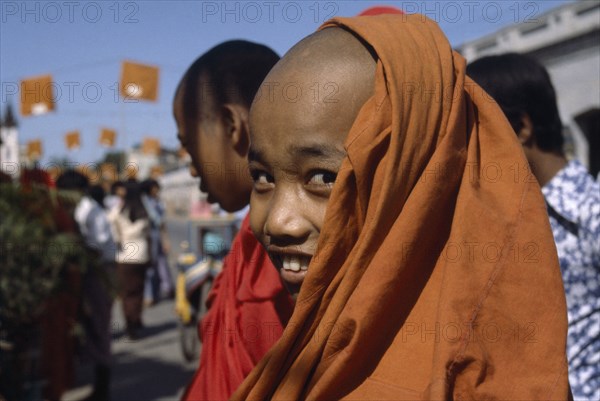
x=34 y=253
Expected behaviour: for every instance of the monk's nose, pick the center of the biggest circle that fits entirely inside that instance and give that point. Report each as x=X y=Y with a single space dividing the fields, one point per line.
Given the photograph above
x=286 y=217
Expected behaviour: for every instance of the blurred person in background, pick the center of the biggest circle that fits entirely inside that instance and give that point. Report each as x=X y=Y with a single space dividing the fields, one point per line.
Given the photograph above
x=116 y=197
x=131 y=227
x=159 y=282
x=96 y=192
x=522 y=88
x=94 y=227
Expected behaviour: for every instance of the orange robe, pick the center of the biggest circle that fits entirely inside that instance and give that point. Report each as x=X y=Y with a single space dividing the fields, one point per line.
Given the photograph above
x=248 y=308
x=443 y=283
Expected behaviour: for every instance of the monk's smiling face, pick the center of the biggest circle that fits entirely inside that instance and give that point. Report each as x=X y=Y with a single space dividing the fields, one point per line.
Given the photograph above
x=298 y=124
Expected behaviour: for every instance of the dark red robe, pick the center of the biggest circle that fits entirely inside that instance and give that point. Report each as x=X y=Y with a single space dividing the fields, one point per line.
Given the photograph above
x=248 y=308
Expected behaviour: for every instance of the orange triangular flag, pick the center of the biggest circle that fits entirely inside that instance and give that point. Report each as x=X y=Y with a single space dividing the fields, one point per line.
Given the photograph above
x=37 y=95
x=151 y=146
x=72 y=140
x=34 y=149
x=139 y=81
x=107 y=137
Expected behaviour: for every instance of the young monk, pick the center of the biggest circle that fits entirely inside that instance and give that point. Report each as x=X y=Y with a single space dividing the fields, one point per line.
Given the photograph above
x=419 y=274
x=247 y=305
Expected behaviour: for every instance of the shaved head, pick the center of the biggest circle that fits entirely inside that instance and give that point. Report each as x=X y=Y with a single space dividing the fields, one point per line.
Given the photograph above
x=332 y=50
x=329 y=68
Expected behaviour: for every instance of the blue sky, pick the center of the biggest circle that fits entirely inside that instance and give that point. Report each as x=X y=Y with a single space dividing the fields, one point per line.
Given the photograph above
x=82 y=44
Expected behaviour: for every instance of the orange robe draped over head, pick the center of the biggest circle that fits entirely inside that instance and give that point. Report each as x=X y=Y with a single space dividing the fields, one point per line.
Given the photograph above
x=248 y=307
x=436 y=276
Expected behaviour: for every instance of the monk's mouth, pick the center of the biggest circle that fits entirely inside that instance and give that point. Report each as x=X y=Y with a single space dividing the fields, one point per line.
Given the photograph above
x=295 y=263
x=291 y=266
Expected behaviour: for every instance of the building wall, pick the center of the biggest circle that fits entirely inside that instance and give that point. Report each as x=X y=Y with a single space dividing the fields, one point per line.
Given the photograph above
x=142 y=163
x=576 y=78
x=180 y=191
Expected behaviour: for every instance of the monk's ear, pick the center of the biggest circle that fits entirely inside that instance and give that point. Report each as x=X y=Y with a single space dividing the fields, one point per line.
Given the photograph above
x=235 y=119
x=525 y=134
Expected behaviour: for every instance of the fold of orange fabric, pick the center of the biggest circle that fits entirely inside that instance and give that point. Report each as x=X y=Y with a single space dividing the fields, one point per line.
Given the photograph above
x=436 y=276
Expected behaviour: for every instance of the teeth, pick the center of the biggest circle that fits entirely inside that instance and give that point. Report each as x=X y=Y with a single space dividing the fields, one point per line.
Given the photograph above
x=305 y=262
x=295 y=262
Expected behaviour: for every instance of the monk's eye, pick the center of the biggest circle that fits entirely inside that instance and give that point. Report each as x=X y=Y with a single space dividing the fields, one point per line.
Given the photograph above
x=262 y=179
x=322 y=178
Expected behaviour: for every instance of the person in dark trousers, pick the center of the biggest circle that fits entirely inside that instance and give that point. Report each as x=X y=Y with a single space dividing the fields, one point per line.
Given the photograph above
x=95 y=229
x=159 y=282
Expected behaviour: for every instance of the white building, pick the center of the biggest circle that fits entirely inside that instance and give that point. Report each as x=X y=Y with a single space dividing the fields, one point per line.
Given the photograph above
x=142 y=163
x=566 y=40
x=180 y=191
x=9 y=146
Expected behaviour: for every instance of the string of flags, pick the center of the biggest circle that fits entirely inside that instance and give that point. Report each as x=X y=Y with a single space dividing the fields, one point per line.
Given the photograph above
x=137 y=81
x=149 y=146
x=38 y=97
x=107 y=138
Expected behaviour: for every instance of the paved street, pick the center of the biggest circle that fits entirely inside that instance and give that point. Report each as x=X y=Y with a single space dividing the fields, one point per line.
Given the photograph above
x=151 y=368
